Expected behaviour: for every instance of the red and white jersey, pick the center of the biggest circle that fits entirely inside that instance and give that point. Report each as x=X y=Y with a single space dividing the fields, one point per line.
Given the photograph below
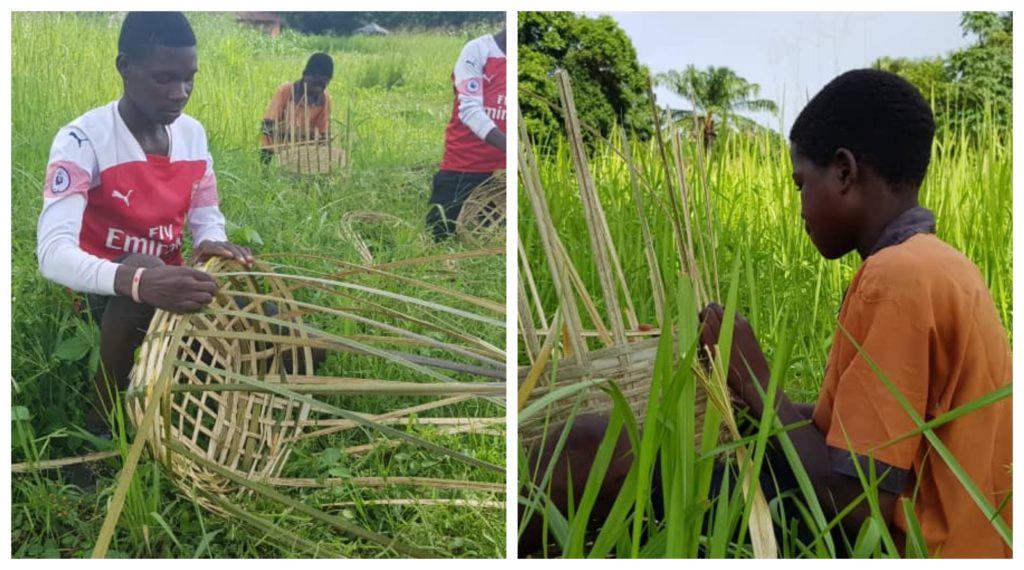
x=104 y=198
x=479 y=82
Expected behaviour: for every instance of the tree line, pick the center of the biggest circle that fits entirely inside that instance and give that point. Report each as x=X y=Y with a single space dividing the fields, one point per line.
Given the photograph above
x=344 y=23
x=966 y=86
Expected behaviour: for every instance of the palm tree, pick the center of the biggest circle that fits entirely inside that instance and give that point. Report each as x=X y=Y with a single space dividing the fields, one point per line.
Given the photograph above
x=717 y=95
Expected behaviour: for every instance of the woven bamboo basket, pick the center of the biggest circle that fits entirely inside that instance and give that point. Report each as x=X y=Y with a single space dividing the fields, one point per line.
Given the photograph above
x=246 y=432
x=310 y=158
x=219 y=398
x=633 y=378
x=481 y=220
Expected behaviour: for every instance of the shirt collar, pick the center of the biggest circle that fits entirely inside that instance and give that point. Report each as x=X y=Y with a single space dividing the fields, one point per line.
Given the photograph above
x=916 y=220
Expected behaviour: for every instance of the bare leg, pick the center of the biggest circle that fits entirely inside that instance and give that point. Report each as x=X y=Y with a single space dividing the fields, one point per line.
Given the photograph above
x=122 y=329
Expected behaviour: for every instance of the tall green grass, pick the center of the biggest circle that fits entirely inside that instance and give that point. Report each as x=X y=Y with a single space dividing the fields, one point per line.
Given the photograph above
x=62 y=66
x=756 y=213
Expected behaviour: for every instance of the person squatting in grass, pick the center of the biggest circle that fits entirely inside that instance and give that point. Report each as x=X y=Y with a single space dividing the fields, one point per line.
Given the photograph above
x=919 y=309
x=300 y=110
x=474 y=141
x=121 y=182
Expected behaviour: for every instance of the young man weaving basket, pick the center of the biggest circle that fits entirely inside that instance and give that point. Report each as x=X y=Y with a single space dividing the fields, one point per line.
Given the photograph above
x=917 y=313
x=122 y=181
x=299 y=111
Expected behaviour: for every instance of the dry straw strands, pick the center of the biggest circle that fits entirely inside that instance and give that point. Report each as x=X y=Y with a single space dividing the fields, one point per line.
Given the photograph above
x=352 y=221
x=219 y=397
x=619 y=357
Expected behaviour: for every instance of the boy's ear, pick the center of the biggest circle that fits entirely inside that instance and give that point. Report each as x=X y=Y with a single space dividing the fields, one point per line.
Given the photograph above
x=846 y=169
x=121 y=63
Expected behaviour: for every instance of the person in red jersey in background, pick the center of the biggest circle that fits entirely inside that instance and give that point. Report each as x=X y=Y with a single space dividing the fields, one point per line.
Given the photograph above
x=474 y=143
x=121 y=183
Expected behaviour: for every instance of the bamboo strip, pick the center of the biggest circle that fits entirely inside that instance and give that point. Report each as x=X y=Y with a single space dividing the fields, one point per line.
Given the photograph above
x=349 y=424
x=359 y=386
x=376 y=482
x=31 y=466
x=474 y=503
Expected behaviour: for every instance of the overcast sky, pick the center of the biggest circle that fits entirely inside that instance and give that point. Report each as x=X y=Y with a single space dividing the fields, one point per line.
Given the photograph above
x=791 y=55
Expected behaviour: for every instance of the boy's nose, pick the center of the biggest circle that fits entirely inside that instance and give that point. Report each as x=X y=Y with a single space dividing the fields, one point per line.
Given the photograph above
x=179 y=93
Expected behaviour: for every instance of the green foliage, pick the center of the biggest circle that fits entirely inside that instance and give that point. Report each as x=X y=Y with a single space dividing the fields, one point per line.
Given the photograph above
x=718 y=94
x=609 y=83
x=385 y=72
x=972 y=85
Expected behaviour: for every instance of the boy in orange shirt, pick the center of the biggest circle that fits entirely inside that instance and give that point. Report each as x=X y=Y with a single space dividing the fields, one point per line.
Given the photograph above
x=917 y=308
x=299 y=110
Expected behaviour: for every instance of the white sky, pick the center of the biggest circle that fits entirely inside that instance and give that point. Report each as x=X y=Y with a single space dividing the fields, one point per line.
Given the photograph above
x=791 y=55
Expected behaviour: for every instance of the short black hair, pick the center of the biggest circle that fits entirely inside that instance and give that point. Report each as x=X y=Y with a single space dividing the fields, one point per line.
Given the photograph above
x=141 y=31
x=878 y=116
x=319 y=64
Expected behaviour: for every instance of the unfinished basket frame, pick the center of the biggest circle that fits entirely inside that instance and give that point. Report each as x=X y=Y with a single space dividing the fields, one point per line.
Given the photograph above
x=629 y=364
x=481 y=220
x=310 y=157
x=621 y=359
x=306 y=150
x=246 y=432
x=219 y=397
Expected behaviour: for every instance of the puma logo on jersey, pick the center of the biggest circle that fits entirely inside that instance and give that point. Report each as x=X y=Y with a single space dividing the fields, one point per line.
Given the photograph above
x=123 y=197
x=77 y=138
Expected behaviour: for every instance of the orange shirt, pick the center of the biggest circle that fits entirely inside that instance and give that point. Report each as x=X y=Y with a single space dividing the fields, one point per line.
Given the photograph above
x=921 y=311
x=294 y=119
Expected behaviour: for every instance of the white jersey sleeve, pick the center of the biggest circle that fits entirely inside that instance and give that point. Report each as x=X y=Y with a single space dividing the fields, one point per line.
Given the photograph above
x=72 y=171
x=469 y=84
x=205 y=220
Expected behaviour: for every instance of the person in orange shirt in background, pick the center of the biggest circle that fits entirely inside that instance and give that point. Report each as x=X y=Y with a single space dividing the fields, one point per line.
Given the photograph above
x=300 y=110
x=917 y=308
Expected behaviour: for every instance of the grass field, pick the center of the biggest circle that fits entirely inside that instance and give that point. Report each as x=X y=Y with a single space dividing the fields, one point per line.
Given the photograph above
x=392 y=100
x=754 y=257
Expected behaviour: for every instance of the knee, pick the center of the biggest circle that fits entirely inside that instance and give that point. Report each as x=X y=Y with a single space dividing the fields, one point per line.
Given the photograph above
x=577 y=457
x=141 y=260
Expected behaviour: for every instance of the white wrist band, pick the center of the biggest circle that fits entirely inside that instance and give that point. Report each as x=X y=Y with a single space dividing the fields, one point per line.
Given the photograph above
x=135 y=284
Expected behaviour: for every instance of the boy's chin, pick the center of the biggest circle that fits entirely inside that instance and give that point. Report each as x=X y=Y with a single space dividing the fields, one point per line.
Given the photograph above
x=829 y=251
